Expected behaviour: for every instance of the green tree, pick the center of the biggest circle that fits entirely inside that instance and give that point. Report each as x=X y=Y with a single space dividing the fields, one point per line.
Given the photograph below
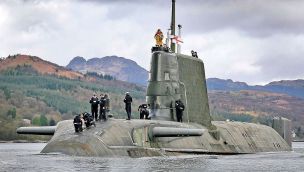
x=36 y=121
x=7 y=93
x=12 y=112
x=43 y=120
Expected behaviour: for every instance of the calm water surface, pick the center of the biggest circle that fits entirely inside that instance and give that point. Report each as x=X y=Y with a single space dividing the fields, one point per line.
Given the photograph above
x=26 y=157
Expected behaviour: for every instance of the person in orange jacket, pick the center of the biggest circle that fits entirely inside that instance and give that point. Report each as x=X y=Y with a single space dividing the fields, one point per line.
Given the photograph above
x=159 y=38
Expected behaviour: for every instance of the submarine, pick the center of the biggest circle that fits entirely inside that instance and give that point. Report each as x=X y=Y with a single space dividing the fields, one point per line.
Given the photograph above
x=172 y=76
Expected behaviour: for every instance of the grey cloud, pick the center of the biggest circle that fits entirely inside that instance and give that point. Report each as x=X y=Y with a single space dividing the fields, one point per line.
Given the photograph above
x=27 y=15
x=133 y=2
x=254 y=17
x=282 y=63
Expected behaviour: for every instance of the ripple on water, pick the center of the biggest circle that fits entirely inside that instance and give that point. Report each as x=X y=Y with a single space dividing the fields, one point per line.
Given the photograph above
x=26 y=157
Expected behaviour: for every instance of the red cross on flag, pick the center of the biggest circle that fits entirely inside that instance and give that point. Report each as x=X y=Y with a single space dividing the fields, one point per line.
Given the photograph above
x=176 y=39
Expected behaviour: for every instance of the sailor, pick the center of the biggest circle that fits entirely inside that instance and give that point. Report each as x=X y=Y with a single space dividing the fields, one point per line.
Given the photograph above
x=128 y=101
x=102 y=108
x=159 y=38
x=179 y=107
x=107 y=106
x=143 y=111
x=88 y=119
x=78 y=123
x=94 y=106
x=194 y=54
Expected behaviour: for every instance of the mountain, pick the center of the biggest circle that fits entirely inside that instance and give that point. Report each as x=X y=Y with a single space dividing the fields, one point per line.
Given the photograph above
x=299 y=83
x=38 y=65
x=291 y=87
x=220 y=84
x=119 y=67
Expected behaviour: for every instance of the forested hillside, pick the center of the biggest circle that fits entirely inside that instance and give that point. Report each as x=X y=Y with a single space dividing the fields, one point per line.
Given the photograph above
x=257 y=106
x=45 y=99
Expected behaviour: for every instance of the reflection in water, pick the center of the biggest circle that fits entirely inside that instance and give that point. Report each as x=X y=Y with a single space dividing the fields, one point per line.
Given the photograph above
x=26 y=157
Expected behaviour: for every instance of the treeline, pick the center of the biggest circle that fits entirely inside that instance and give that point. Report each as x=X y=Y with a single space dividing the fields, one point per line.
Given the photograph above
x=100 y=76
x=43 y=121
x=10 y=121
x=21 y=70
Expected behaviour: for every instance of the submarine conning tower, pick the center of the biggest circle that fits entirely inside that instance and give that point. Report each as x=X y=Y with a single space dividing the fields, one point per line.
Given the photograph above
x=176 y=76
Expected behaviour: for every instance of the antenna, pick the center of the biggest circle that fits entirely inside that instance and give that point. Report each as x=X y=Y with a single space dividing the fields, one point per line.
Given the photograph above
x=173 y=25
x=179 y=36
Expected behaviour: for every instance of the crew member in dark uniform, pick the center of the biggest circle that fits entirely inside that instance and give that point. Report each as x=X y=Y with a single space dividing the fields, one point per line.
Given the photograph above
x=94 y=106
x=107 y=105
x=179 y=107
x=102 y=108
x=128 y=102
x=88 y=119
x=78 y=123
x=194 y=54
x=143 y=111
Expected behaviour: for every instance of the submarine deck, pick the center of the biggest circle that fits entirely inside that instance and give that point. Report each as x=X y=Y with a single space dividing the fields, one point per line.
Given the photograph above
x=119 y=137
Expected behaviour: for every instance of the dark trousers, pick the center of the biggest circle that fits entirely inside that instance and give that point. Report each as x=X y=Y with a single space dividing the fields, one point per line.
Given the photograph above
x=179 y=116
x=128 y=110
x=95 y=112
x=78 y=127
x=102 y=113
x=143 y=115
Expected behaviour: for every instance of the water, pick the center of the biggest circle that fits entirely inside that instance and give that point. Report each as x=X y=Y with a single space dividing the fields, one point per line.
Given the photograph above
x=25 y=157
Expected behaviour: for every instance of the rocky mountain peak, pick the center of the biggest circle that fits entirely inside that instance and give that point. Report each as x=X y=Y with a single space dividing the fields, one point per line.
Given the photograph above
x=290 y=83
x=121 y=68
x=221 y=84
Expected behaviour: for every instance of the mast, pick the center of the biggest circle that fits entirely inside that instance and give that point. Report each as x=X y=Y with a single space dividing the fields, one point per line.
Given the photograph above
x=173 y=25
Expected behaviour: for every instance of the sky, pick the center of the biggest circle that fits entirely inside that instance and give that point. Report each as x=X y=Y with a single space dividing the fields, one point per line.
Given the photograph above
x=253 y=41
